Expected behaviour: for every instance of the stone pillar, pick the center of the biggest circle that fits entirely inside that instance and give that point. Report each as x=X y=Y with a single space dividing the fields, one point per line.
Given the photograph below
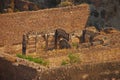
x=24 y=44
x=46 y=36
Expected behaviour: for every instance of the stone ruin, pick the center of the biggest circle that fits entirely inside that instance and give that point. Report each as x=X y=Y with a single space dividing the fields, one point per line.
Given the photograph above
x=13 y=68
x=34 y=42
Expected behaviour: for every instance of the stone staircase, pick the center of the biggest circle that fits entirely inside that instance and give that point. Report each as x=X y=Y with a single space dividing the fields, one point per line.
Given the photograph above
x=31 y=45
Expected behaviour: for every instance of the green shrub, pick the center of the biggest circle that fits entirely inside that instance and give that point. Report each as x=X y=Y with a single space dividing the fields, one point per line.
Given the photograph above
x=64 y=4
x=17 y=10
x=21 y=56
x=75 y=45
x=74 y=58
x=64 y=62
x=36 y=60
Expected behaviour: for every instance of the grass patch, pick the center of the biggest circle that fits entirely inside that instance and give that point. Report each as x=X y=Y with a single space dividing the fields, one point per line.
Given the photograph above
x=64 y=62
x=74 y=58
x=36 y=60
x=75 y=45
x=64 y=4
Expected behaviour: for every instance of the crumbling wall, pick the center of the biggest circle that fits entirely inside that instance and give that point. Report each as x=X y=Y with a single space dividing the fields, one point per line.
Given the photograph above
x=12 y=68
x=99 y=71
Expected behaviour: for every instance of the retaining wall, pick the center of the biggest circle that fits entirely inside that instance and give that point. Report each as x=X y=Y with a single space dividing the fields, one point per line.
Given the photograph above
x=14 y=25
x=12 y=68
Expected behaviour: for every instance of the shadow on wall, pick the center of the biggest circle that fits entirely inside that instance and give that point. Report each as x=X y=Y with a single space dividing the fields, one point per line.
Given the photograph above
x=104 y=14
x=96 y=17
x=8 y=71
x=8 y=6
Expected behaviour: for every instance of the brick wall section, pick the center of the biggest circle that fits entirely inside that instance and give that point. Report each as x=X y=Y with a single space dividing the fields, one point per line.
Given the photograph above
x=13 y=25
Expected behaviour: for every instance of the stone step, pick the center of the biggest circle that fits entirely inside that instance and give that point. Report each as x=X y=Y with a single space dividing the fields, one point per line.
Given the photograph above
x=31 y=42
x=84 y=45
x=31 y=38
x=97 y=43
x=31 y=51
x=31 y=46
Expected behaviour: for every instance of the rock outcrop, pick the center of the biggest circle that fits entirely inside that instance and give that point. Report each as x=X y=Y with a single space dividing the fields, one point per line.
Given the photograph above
x=7 y=6
x=25 y=5
x=46 y=3
x=112 y=8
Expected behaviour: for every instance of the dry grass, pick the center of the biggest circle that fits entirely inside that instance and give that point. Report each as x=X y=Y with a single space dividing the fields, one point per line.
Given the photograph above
x=93 y=54
x=13 y=26
x=89 y=56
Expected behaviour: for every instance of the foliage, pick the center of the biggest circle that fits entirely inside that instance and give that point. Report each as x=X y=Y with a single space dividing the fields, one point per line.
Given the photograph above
x=73 y=58
x=64 y=4
x=75 y=45
x=36 y=60
x=17 y=10
x=64 y=62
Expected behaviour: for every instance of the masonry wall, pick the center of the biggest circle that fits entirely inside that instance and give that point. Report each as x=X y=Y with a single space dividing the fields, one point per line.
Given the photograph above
x=14 y=25
x=99 y=71
x=10 y=69
x=13 y=68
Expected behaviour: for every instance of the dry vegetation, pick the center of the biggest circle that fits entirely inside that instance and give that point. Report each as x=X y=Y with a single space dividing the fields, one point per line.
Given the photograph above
x=93 y=60
x=12 y=27
x=93 y=54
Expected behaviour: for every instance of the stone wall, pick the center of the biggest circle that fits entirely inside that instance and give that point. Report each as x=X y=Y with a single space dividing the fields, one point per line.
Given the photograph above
x=99 y=71
x=12 y=68
x=14 y=25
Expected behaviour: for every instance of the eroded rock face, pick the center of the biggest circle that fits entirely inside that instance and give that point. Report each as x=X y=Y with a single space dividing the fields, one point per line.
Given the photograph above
x=108 y=12
x=19 y=5
x=46 y=3
x=112 y=9
x=6 y=5
x=25 y=5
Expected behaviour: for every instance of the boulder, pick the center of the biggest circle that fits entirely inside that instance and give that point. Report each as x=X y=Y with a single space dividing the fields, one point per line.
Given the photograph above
x=25 y=5
x=63 y=44
x=109 y=30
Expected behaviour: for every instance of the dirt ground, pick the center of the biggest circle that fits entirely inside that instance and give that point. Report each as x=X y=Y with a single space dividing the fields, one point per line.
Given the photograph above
x=89 y=56
x=93 y=54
